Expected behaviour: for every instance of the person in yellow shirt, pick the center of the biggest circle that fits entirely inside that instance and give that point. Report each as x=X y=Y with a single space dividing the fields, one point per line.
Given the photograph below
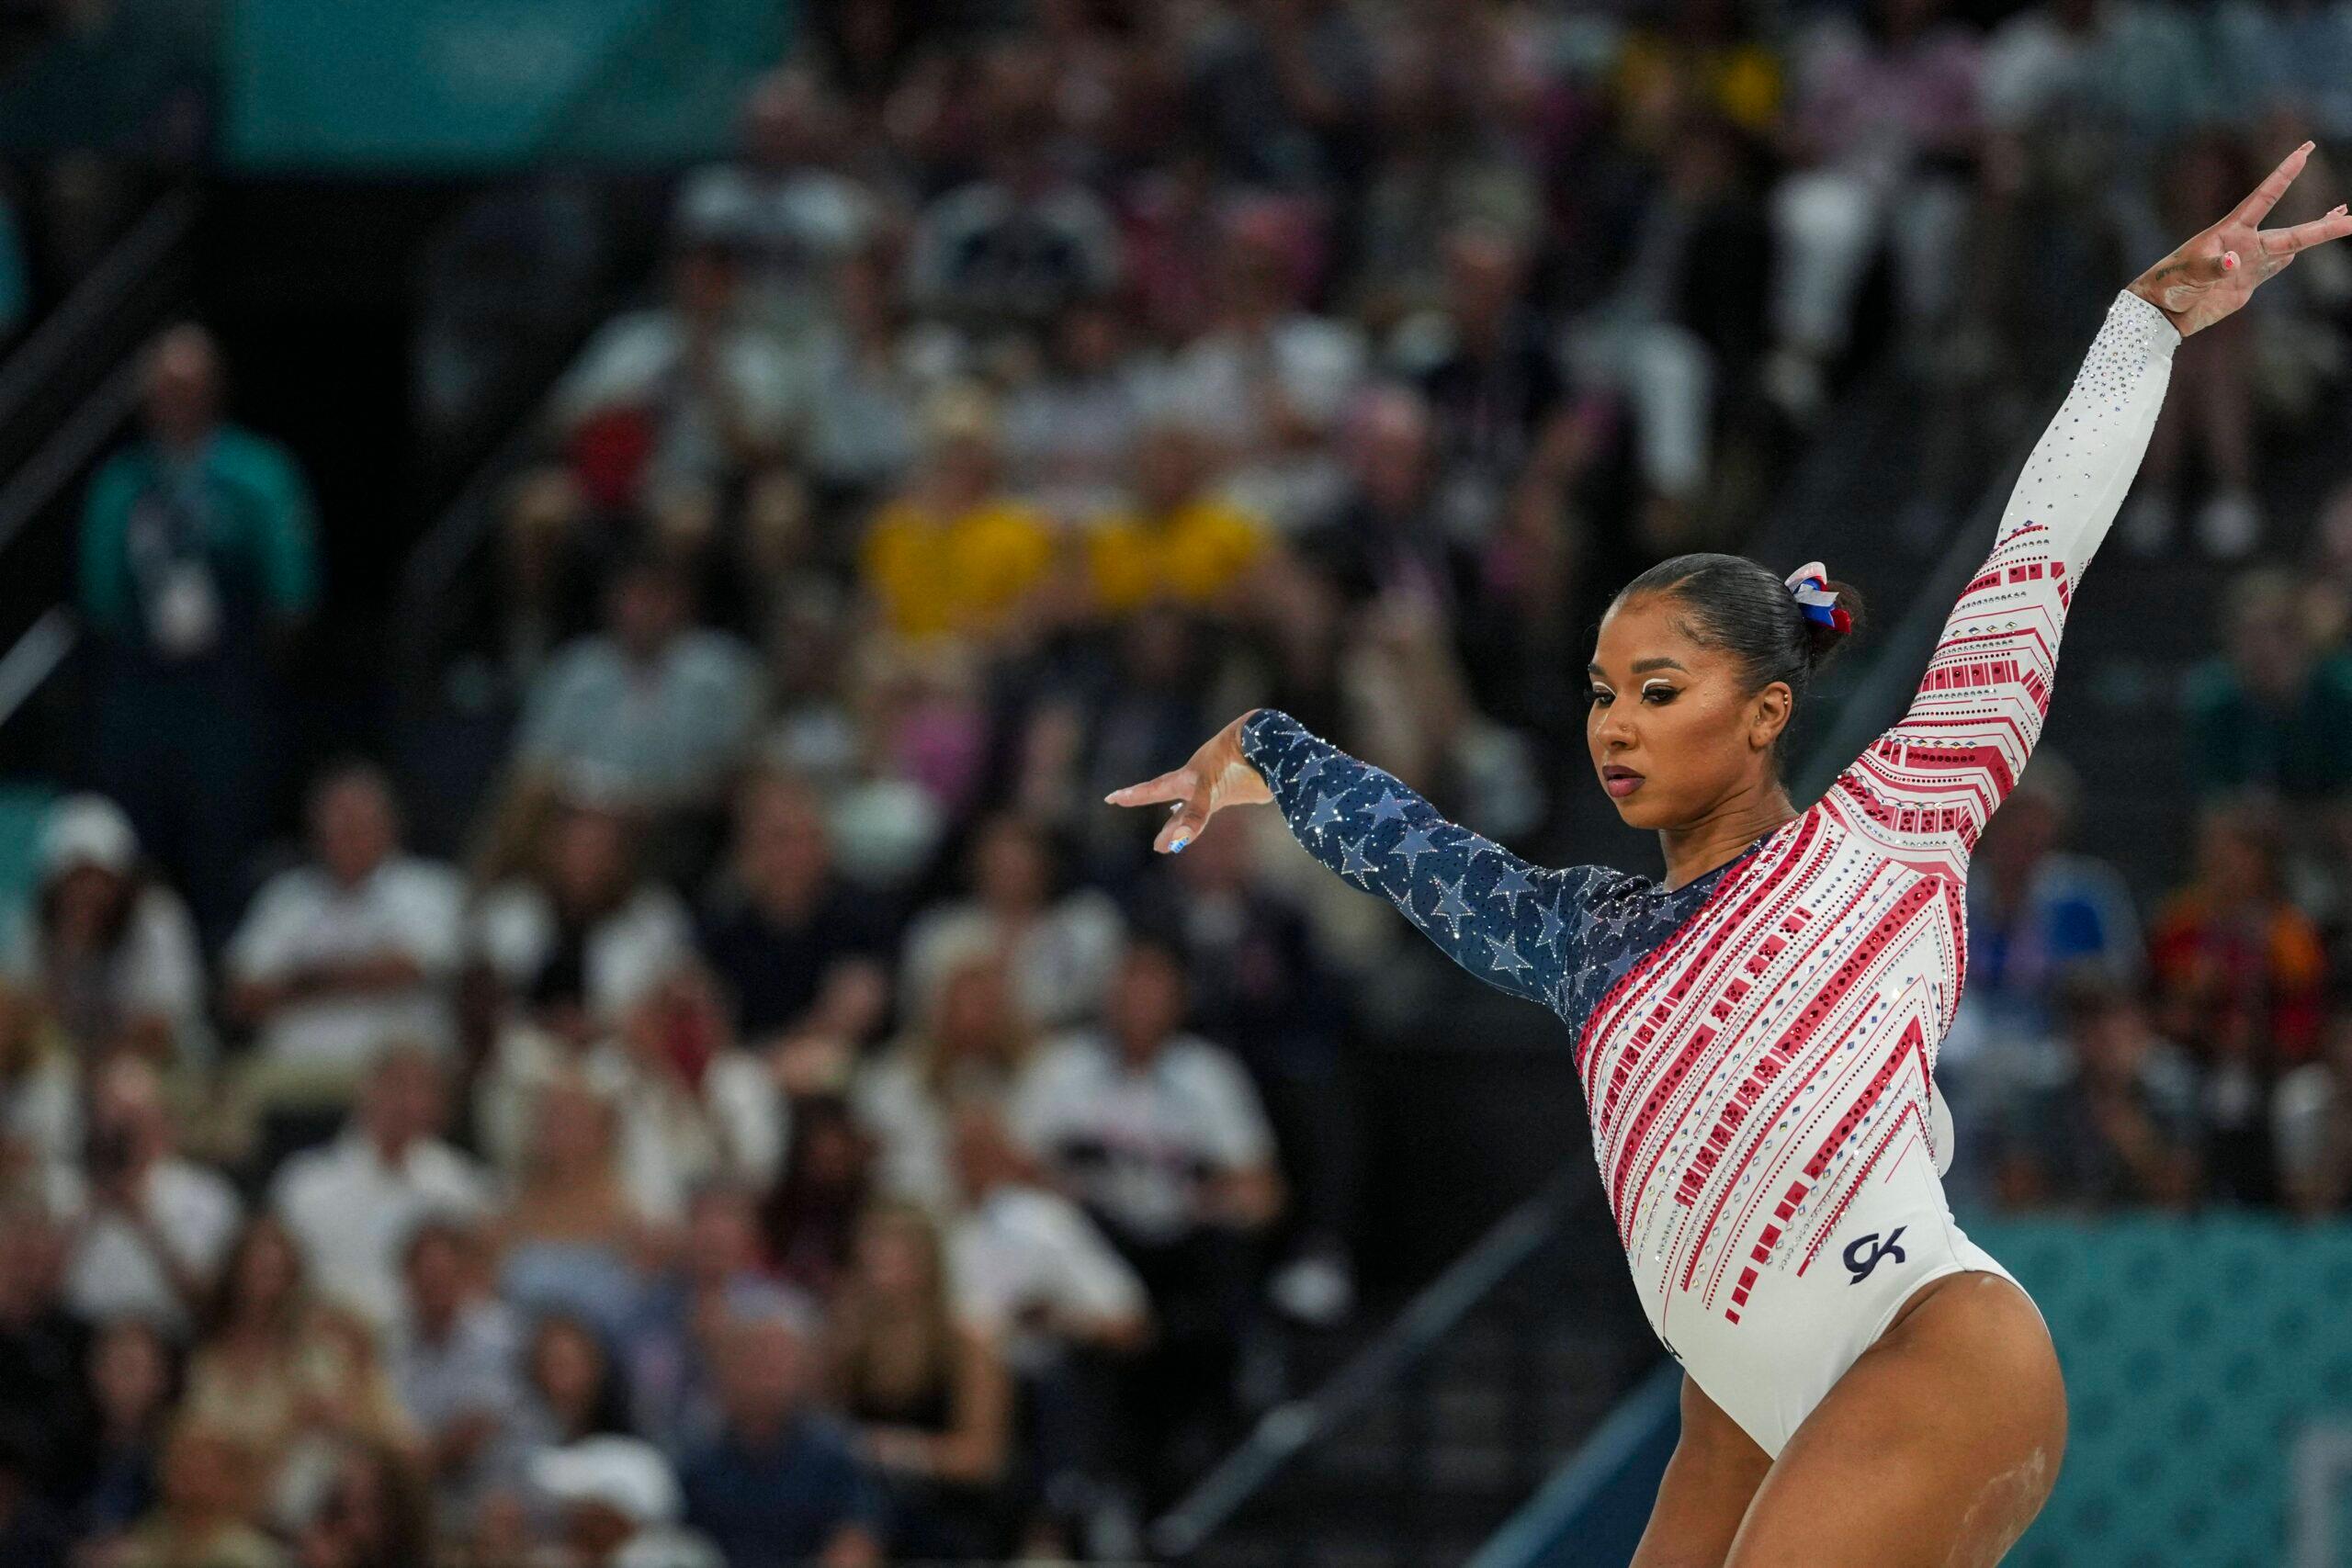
x=953 y=555
x=1181 y=542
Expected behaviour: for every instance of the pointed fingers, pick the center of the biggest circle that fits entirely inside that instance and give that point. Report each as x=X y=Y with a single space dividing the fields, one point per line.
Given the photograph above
x=2264 y=197
x=1151 y=792
x=2318 y=232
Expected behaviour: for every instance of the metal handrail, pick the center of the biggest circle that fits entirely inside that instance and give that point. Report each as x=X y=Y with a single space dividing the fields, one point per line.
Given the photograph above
x=1288 y=1429
x=38 y=483
x=133 y=258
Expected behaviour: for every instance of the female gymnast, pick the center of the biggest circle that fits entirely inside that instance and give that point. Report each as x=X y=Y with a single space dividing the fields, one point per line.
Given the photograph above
x=1756 y=1034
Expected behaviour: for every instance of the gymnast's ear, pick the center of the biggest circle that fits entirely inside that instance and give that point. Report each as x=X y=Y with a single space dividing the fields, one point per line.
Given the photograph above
x=1768 y=714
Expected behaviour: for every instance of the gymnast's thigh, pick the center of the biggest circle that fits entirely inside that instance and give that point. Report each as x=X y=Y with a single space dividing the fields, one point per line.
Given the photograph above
x=1709 y=1482
x=1937 y=1447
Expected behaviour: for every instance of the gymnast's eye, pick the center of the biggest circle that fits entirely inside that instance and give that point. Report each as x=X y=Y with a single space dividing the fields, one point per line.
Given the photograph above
x=1658 y=696
x=1597 y=695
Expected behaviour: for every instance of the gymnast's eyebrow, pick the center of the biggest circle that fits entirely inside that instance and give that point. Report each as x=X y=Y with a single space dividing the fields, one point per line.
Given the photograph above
x=1642 y=666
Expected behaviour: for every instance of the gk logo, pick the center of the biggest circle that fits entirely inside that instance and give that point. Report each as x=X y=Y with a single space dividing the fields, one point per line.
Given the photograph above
x=1861 y=1263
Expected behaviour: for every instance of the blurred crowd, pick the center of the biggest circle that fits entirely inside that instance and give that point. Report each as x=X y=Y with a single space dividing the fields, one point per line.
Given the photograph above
x=809 y=1126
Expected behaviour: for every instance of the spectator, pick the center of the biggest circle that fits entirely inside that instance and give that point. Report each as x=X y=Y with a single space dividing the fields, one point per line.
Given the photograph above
x=206 y=1517
x=572 y=1391
x=929 y=1393
x=1036 y=1275
x=2240 y=977
x=1069 y=429
x=1027 y=1262
x=152 y=1226
x=583 y=936
x=284 y=1376
x=654 y=710
x=2036 y=912
x=352 y=1205
x=780 y=1485
x=800 y=953
x=696 y=1107
x=1161 y=1137
x=968 y=1042
x=40 y=1099
x=357 y=949
x=571 y=1239
x=109 y=949
x=44 y=1342
x=1281 y=94
x=2273 y=711
x=619 y=1503
x=1206 y=1162
x=810 y=1218
x=132 y=1388
x=1010 y=251
x=375 y=1514
x=2121 y=1126
x=2311 y=1126
x=1880 y=123
x=670 y=1351
x=688 y=396
x=1270 y=379
x=1057 y=947
x=453 y=1359
x=197 y=556
x=953 y=555
x=794 y=219
x=1497 y=394
x=1258 y=986
x=1181 y=542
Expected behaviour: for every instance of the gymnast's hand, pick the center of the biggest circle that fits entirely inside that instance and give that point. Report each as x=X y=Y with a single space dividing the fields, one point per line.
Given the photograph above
x=2215 y=273
x=1217 y=776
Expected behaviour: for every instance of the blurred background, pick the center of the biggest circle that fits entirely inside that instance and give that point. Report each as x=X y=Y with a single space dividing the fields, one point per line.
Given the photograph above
x=572 y=577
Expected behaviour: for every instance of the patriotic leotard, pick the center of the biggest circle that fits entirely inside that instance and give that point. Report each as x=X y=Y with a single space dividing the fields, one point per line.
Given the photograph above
x=1758 y=1045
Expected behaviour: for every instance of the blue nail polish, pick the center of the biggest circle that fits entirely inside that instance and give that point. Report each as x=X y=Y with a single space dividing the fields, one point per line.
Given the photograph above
x=1177 y=846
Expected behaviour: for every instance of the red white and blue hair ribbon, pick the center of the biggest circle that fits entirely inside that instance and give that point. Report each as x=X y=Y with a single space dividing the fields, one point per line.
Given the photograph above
x=1810 y=583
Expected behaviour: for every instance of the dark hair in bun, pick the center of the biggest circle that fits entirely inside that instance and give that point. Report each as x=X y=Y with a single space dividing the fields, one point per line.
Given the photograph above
x=1745 y=610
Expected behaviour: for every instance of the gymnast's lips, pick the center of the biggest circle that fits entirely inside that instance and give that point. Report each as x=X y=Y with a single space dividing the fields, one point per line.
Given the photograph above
x=1619 y=781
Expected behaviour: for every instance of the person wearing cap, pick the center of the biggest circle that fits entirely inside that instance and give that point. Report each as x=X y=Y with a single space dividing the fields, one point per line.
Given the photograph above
x=109 y=949
x=618 y=1505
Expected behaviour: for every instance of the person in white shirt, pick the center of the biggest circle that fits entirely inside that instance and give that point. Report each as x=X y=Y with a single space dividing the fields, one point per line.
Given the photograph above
x=968 y=1041
x=352 y=1204
x=1058 y=949
x=657 y=710
x=795 y=216
x=1158 y=1132
x=1027 y=1262
x=707 y=390
x=1161 y=1137
x=150 y=1228
x=357 y=948
x=580 y=941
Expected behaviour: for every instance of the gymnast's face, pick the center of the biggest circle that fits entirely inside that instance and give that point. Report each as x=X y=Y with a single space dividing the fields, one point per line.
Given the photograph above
x=1675 y=734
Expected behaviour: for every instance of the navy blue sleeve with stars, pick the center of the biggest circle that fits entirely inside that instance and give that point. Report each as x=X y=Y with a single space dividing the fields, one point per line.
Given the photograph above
x=1558 y=937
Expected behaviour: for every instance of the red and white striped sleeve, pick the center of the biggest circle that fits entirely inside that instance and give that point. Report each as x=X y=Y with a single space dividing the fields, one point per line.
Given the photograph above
x=1925 y=787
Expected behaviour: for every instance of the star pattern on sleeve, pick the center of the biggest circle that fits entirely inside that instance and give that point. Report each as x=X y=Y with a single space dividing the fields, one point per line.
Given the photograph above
x=1511 y=884
x=1453 y=908
x=1505 y=957
x=1560 y=938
